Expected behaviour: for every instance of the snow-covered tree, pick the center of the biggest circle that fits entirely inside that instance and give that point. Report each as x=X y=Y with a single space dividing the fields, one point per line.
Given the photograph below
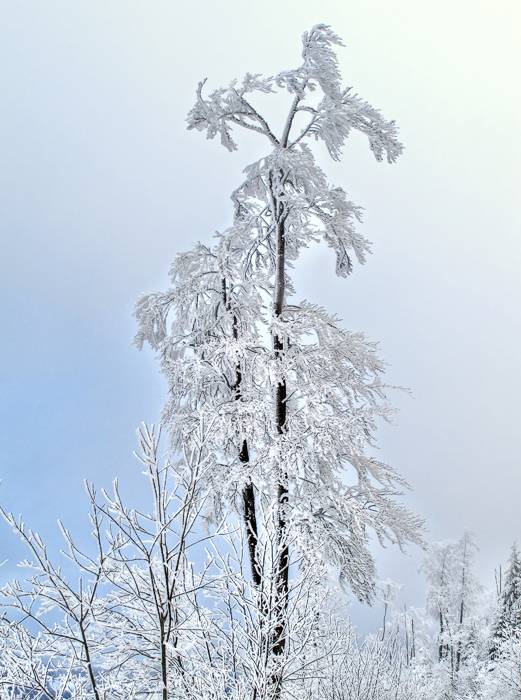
x=159 y=610
x=452 y=594
x=508 y=624
x=294 y=399
x=503 y=679
x=113 y=621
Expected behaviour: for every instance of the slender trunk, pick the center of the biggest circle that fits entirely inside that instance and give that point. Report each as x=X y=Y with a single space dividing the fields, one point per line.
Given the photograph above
x=498 y=578
x=458 y=653
x=248 y=492
x=88 y=661
x=441 y=647
x=164 y=661
x=462 y=603
x=406 y=635
x=282 y=564
x=250 y=520
x=384 y=621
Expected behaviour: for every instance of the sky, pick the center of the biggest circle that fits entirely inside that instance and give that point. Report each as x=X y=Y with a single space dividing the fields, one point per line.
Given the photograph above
x=101 y=185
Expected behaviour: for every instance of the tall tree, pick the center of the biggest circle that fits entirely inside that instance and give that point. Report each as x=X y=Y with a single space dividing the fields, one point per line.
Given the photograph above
x=452 y=595
x=467 y=589
x=439 y=571
x=282 y=379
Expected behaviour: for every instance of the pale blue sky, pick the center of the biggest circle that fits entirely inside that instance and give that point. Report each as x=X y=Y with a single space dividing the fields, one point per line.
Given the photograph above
x=100 y=186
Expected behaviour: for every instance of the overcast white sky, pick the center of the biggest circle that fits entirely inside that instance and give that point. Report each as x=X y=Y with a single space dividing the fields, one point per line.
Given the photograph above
x=100 y=186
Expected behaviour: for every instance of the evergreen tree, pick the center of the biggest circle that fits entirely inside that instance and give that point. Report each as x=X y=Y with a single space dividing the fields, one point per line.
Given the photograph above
x=508 y=624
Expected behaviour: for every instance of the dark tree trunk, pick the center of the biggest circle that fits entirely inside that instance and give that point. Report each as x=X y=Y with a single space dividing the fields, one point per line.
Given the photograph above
x=282 y=565
x=458 y=653
x=440 y=647
x=250 y=520
x=248 y=492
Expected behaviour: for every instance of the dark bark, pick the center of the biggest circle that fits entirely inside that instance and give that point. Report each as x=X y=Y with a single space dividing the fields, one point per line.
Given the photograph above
x=462 y=603
x=250 y=520
x=443 y=648
x=88 y=660
x=248 y=492
x=458 y=653
x=282 y=564
x=164 y=662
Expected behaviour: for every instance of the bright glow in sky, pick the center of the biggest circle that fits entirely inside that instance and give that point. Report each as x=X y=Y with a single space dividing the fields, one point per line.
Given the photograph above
x=100 y=186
